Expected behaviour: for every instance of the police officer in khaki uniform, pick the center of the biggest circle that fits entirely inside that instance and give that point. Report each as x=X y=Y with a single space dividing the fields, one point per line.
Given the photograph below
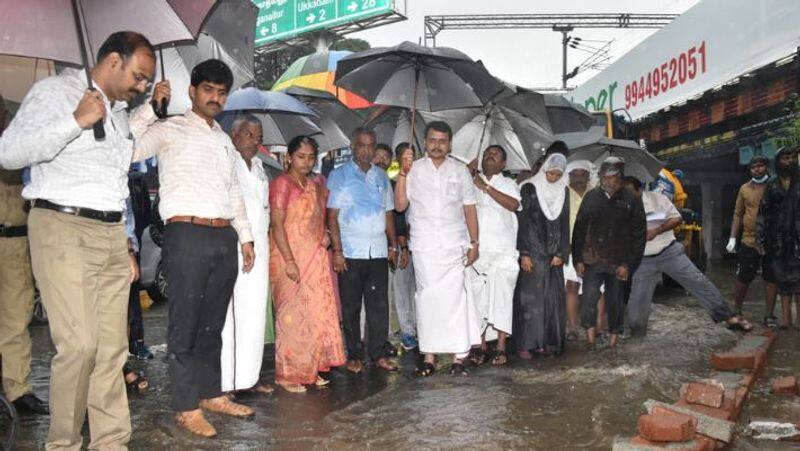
x=16 y=295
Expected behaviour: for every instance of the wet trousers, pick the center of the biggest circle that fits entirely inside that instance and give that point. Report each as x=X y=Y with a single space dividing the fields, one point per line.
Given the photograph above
x=201 y=269
x=366 y=279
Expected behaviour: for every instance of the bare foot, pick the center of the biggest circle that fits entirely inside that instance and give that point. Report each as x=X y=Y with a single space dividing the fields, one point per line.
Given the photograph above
x=355 y=366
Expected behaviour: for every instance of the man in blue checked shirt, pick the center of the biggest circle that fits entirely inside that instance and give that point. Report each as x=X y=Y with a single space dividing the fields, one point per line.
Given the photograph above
x=360 y=209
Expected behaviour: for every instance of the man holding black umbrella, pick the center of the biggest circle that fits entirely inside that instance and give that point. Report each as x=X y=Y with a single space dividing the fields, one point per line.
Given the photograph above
x=79 y=250
x=443 y=220
x=201 y=200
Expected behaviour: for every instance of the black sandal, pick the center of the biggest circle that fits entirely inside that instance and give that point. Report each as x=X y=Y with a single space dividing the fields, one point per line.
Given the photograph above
x=425 y=369
x=741 y=324
x=458 y=369
x=140 y=384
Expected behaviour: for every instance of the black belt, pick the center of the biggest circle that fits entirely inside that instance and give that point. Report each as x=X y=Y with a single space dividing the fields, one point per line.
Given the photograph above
x=662 y=250
x=105 y=216
x=13 y=231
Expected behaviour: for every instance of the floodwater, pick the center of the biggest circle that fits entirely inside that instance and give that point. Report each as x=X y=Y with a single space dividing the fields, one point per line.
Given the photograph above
x=581 y=400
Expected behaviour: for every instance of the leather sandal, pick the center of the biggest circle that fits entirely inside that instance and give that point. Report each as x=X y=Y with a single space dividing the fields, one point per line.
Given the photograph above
x=195 y=422
x=222 y=404
x=386 y=364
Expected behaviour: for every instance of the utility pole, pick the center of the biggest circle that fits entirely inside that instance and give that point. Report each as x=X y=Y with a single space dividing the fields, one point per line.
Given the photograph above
x=565 y=30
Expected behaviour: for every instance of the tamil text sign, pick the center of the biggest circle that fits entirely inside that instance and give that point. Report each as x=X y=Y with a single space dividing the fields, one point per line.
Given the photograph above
x=283 y=19
x=710 y=44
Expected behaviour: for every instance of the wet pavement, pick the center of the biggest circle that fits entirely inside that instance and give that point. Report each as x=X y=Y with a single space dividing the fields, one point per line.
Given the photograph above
x=581 y=400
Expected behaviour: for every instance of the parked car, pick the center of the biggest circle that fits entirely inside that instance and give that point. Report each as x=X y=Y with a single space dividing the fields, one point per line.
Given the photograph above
x=151 y=268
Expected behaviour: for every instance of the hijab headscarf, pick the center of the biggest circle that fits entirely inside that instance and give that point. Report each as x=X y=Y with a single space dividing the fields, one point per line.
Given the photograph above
x=551 y=195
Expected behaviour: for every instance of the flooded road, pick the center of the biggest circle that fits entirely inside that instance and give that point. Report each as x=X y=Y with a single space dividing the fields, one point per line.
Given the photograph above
x=581 y=400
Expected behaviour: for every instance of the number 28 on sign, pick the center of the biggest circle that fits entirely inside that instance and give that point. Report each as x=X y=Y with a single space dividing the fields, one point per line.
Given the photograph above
x=669 y=75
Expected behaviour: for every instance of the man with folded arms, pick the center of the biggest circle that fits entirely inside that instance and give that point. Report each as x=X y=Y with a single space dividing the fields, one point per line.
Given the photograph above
x=79 y=251
x=202 y=204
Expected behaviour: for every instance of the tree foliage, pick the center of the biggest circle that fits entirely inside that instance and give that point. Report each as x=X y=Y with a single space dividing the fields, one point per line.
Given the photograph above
x=791 y=129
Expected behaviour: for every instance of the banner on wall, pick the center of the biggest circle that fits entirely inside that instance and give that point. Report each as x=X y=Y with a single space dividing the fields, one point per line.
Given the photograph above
x=710 y=44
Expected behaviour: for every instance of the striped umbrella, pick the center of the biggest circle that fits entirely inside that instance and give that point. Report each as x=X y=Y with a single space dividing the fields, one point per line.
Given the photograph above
x=312 y=76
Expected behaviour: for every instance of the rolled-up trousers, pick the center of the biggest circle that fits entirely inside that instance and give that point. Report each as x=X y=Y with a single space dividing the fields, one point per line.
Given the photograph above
x=595 y=277
x=201 y=267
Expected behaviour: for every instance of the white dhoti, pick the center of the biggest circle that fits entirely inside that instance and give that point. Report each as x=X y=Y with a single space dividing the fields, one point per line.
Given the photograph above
x=493 y=278
x=243 y=334
x=447 y=320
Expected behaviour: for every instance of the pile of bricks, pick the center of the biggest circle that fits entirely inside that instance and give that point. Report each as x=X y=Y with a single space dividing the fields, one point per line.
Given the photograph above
x=703 y=418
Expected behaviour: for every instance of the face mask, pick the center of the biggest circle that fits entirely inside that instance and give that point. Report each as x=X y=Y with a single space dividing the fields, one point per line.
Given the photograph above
x=760 y=180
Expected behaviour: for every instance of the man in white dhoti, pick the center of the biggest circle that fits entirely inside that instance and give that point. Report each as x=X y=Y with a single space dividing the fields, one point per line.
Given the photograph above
x=243 y=334
x=443 y=220
x=494 y=275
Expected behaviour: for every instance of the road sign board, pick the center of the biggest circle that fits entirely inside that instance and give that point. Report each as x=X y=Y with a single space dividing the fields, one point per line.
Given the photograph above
x=282 y=19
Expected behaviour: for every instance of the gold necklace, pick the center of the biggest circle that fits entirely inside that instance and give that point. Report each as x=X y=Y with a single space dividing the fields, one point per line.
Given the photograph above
x=298 y=180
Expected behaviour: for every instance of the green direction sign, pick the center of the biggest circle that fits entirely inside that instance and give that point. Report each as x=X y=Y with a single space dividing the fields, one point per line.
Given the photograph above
x=282 y=19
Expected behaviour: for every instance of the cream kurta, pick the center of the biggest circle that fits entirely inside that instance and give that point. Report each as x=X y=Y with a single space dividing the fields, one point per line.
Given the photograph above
x=243 y=334
x=495 y=273
x=447 y=320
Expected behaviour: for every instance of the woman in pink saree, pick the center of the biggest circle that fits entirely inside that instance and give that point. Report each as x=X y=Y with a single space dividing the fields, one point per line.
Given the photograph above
x=308 y=339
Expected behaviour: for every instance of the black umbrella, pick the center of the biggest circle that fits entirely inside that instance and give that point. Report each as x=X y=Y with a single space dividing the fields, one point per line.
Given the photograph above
x=566 y=116
x=330 y=108
x=418 y=78
x=594 y=146
x=517 y=122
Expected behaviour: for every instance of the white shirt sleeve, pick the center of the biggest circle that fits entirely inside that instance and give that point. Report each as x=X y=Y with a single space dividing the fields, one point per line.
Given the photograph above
x=470 y=195
x=42 y=127
x=662 y=204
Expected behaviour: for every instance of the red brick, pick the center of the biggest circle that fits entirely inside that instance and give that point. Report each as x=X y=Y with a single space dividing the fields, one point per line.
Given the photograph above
x=786 y=385
x=696 y=443
x=734 y=360
x=702 y=393
x=705 y=443
x=666 y=426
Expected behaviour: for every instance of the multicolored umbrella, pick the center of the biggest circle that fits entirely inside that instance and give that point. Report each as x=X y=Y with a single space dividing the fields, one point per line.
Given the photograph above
x=312 y=76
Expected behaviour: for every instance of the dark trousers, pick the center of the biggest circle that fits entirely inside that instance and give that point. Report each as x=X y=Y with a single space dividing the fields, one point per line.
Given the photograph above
x=200 y=265
x=367 y=280
x=135 y=321
x=594 y=277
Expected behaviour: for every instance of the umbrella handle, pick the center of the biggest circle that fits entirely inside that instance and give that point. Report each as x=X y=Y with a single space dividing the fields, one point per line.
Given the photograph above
x=160 y=108
x=414 y=105
x=97 y=128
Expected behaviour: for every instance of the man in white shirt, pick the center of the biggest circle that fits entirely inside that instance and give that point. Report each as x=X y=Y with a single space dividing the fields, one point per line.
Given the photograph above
x=243 y=334
x=663 y=254
x=440 y=196
x=79 y=250
x=496 y=271
x=201 y=202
